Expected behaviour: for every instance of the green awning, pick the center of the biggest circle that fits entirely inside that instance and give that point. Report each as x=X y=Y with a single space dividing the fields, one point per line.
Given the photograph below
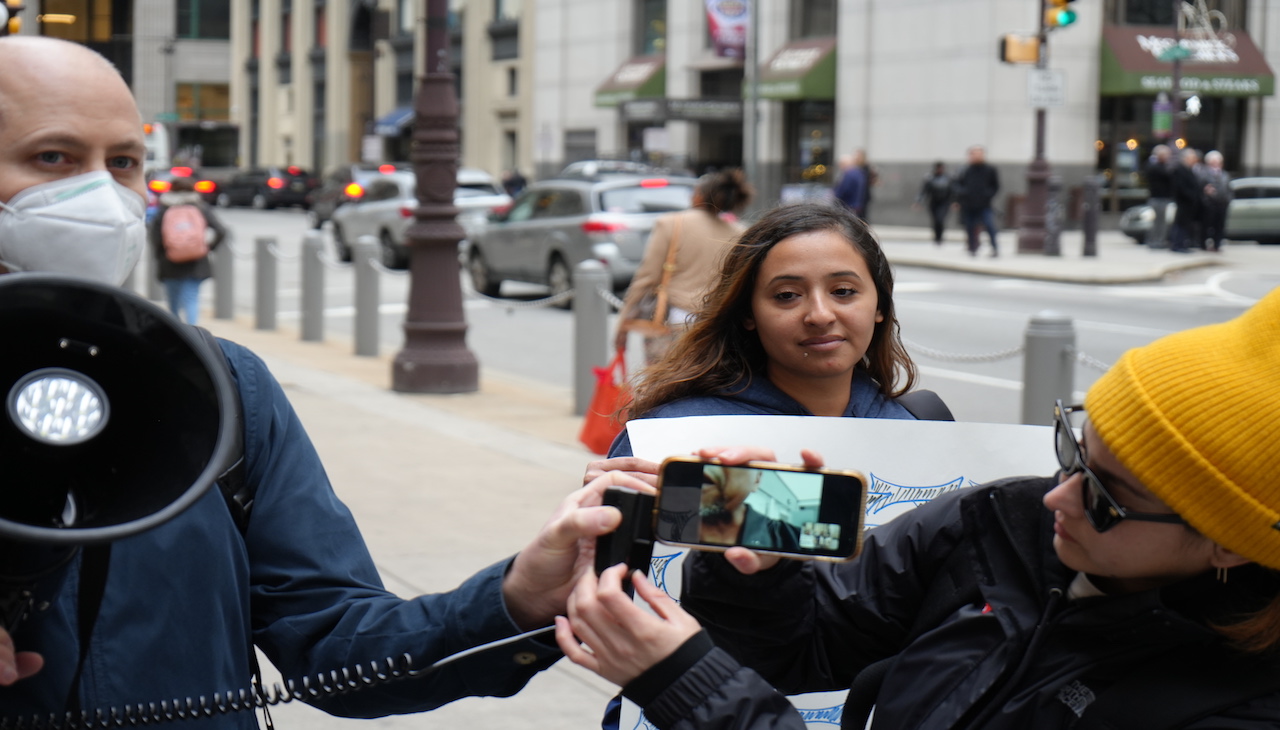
x=803 y=69
x=1132 y=65
x=641 y=77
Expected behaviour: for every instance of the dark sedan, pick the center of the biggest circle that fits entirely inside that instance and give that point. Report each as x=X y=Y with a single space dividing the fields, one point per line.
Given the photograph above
x=269 y=187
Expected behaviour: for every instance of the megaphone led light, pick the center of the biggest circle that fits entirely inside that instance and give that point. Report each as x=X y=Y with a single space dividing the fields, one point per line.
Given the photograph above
x=58 y=406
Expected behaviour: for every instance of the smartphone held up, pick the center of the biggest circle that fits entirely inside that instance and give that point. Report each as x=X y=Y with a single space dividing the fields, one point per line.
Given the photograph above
x=779 y=509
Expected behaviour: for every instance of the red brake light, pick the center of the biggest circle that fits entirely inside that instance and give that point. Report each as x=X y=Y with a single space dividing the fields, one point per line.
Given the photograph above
x=386 y=169
x=597 y=226
x=206 y=186
x=654 y=182
x=353 y=190
x=406 y=211
x=159 y=186
x=275 y=183
x=294 y=170
x=181 y=171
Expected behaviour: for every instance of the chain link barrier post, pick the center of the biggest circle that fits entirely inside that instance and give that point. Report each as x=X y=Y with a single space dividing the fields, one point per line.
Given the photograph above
x=1048 y=366
x=363 y=254
x=312 y=287
x=590 y=330
x=223 y=260
x=267 y=278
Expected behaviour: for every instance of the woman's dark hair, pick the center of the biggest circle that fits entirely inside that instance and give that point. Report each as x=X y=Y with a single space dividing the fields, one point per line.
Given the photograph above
x=726 y=191
x=718 y=353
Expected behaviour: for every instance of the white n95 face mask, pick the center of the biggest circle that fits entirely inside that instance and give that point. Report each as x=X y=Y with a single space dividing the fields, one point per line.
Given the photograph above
x=88 y=225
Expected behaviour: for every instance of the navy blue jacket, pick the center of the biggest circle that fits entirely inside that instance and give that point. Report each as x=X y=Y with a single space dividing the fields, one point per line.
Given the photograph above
x=762 y=398
x=184 y=600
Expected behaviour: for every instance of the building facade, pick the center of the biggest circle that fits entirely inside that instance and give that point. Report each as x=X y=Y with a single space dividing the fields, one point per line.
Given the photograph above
x=910 y=82
x=173 y=54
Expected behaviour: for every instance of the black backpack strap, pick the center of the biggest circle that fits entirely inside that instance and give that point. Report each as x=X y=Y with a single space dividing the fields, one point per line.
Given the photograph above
x=1182 y=687
x=925 y=405
x=237 y=491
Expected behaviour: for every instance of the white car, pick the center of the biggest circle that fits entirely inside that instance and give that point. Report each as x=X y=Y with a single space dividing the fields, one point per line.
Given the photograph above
x=386 y=211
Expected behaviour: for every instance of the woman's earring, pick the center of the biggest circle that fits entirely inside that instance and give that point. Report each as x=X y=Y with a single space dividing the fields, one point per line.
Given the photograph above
x=1222 y=575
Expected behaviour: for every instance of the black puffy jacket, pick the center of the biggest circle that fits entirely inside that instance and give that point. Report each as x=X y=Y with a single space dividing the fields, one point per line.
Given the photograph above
x=1017 y=654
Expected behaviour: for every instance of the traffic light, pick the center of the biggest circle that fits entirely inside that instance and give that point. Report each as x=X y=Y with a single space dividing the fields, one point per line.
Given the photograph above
x=10 y=23
x=1016 y=48
x=1058 y=14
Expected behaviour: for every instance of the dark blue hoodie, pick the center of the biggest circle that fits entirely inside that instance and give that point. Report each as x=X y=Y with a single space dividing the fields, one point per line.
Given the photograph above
x=762 y=398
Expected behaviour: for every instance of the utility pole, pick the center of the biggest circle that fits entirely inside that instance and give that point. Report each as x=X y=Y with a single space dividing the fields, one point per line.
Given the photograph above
x=751 y=91
x=1175 y=93
x=435 y=358
x=1031 y=224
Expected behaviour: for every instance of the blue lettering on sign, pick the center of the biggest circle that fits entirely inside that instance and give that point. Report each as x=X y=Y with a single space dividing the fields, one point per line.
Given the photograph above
x=883 y=495
x=658 y=565
x=823 y=715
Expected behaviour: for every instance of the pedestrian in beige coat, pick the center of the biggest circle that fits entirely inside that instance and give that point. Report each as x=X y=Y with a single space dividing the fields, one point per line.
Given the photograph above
x=700 y=235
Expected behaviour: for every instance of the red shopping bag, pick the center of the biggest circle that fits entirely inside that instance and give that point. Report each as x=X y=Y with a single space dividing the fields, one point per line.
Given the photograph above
x=600 y=425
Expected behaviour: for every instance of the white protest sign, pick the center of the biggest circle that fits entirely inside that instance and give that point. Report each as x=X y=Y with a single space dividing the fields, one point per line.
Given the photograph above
x=906 y=463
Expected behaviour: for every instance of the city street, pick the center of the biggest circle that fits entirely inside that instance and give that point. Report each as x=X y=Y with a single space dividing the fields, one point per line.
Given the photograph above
x=960 y=327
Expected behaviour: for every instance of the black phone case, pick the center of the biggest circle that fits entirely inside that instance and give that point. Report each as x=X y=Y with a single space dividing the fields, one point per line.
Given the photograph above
x=632 y=542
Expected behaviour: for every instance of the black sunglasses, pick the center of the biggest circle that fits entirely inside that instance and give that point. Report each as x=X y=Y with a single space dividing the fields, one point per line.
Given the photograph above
x=1100 y=507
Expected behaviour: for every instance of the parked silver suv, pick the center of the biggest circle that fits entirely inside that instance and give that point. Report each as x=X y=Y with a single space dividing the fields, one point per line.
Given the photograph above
x=556 y=224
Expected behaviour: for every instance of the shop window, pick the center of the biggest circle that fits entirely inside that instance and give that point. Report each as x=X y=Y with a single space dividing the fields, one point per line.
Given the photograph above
x=813 y=18
x=92 y=20
x=1231 y=14
x=322 y=26
x=203 y=102
x=204 y=19
x=651 y=27
x=406 y=14
x=508 y=10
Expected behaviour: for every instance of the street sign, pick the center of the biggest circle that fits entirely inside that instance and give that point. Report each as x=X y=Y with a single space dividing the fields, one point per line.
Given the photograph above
x=1046 y=88
x=167 y=117
x=1174 y=53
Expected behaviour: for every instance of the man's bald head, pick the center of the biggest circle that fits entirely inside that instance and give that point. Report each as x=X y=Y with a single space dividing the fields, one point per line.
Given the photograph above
x=64 y=111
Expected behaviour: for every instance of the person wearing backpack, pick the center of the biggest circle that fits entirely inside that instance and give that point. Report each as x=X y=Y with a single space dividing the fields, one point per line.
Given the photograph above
x=1137 y=588
x=183 y=233
x=936 y=194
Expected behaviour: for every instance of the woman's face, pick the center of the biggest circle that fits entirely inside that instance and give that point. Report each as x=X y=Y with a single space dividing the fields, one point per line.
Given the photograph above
x=814 y=307
x=1133 y=555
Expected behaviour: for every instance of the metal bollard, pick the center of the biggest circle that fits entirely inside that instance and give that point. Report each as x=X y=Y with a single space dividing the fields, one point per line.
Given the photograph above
x=363 y=254
x=590 y=330
x=267 y=279
x=1092 y=187
x=1048 y=366
x=224 y=281
x=312 y=287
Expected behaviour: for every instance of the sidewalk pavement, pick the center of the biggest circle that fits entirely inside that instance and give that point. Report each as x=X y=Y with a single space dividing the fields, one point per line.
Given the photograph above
x=443 y=485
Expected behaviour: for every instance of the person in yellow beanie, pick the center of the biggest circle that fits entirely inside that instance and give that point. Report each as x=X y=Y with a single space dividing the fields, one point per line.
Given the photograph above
x=1137 y=588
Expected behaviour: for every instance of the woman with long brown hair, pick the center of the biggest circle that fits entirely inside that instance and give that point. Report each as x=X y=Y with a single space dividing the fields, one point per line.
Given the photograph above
x=800 y=322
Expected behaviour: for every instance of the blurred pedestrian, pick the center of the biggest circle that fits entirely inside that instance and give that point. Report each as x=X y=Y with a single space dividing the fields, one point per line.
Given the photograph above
x=851 y=188
x=681 y=262
x=183 y=232
x=872 y=178
x=1187 y=194
x=936 y=195
x=1160 y=192
x=1217 y=196
x=975 y=188
x=513 y=182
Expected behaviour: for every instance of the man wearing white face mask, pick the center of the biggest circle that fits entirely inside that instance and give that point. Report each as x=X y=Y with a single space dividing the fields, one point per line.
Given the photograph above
x=175 y=612
x=72 y=196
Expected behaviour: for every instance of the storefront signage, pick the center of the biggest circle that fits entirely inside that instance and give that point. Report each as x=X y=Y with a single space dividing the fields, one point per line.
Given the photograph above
x=728 y=21
x=803 y=69
x=1137 y=60
x=1213 y=50
x=642 y=77
x=683 y=110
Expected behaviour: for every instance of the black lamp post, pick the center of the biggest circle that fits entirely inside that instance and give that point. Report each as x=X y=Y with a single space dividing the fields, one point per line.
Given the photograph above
x=435 y=358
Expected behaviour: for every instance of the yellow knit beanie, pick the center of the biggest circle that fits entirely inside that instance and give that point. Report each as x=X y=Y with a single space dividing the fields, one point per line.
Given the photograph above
x=1196 y=417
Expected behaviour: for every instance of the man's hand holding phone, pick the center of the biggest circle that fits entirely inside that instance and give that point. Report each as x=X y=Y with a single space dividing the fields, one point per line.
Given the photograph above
x=16 y=665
